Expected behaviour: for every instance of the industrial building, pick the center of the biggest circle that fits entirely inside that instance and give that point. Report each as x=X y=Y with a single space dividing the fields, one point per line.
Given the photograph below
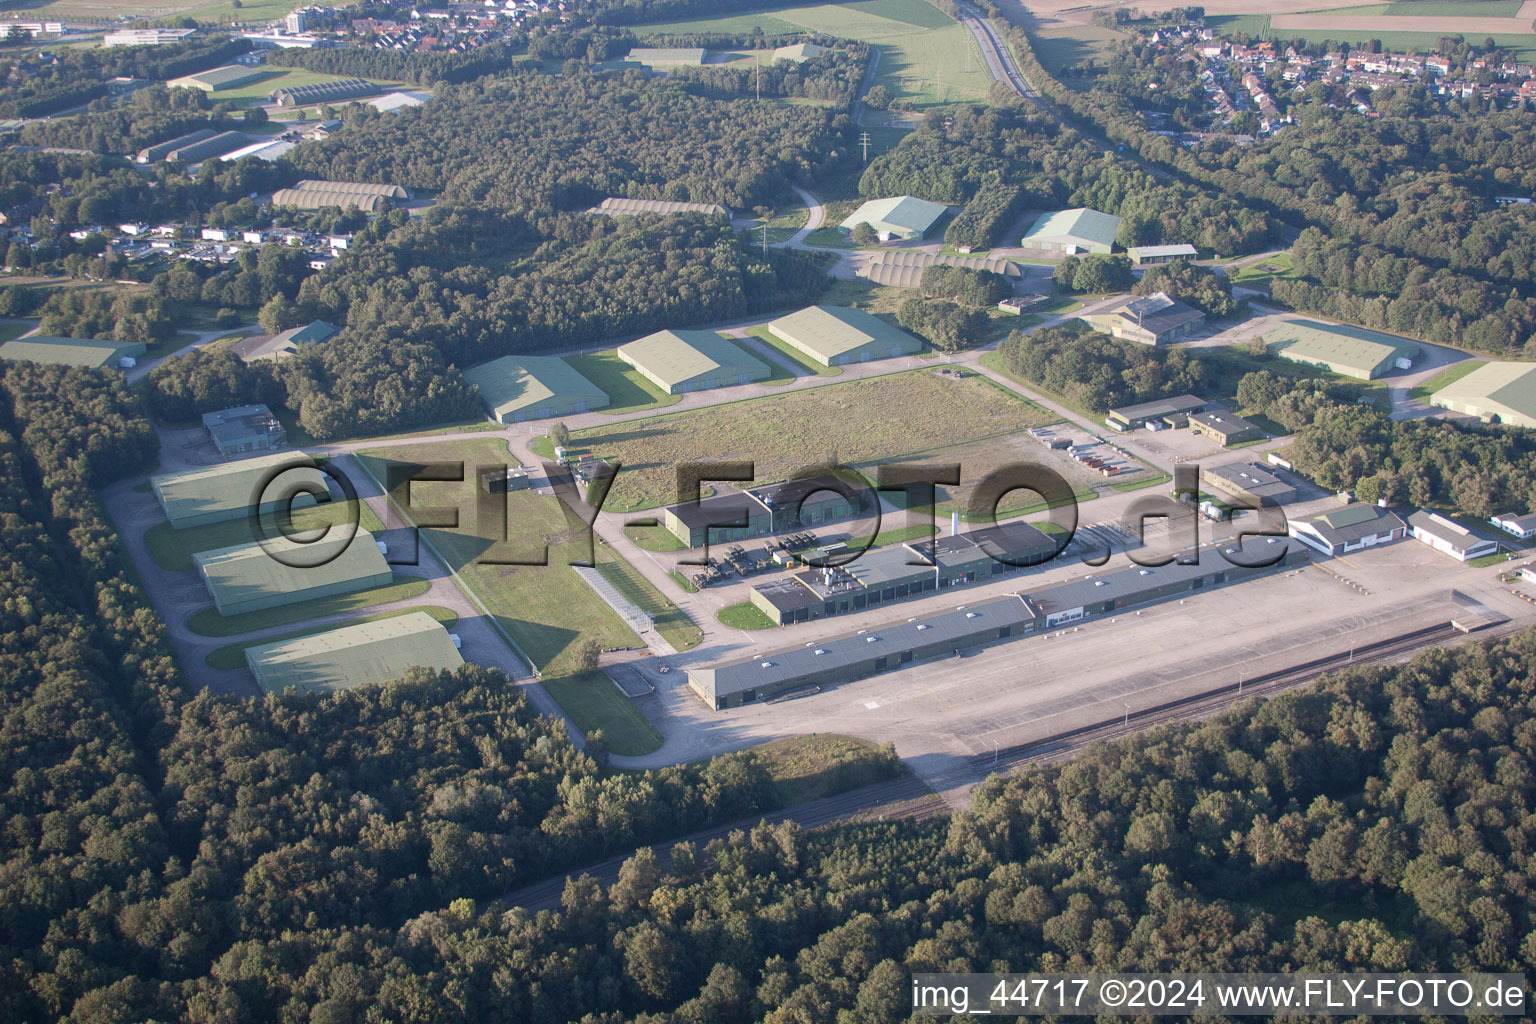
x=1152 y=319
x=323 y=92
x=246 y=428
x=1349 y=351
x=615 y=206
x=367 y=653
x=1523 y=527
x=811 y=501
x=254 y=576
x=158 y=152
x=799 y=52
x=196 y=147
x=518 y=388
x=146 y=36
x=696 y=524
x=1224 y=428
x=1448 y=537
x=666 y=57
x=1074 y=231
x=1129 y=417
x=231 y=76
x=901 y=571
x=216 y=494
x=1494 y=392
x=1147 y=255
x=897 y=644
x=903 y=268
x=678 y=362
x=1351 y=528
x=1251 y=484
x=839 y=335
x=904 y=217
x=273 y=347
x=367 y=188
x=93 y=355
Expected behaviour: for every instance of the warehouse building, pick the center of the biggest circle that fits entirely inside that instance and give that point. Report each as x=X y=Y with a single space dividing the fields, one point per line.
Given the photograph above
x=898 y=644
x=319 y=199
x=217 y=145
x=1494 y=392
x=1520 y=526
x=1348 y=351
x=272 y=347
x=799 y=52
x=159 y=151
x=1224 y=428
x=839 y=335
x=904 y=217
x=93 y=355
x=678 y=362
x=1074 y=231
x=367 y=188
x=1129 y=417
x=231 y=76
x=666 y=57
x=1448 y=537
x=1251 y=484
x=216 y=494
x=1147 y=255
x=1152 y=319
x=518 y=388
x=361 y=655
x=254 y=576
x=1351 y=528
x=323 y=92
x=697 y=523
x=903 y=268
x=615 y=206
x=146 y=36
x=246 y=428
x=812 y=501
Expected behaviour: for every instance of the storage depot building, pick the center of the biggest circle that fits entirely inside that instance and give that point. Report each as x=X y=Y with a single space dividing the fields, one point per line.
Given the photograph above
x=682 y=361
x=1496 y=392
x=904 y=217
x=1351 y=528
x=368 y=652
x=197 y=497
x=1450 y=537
x=693 y=524
x=1074 y=231
x=839 y=335
x=1349 y=351
x=93 y=355
x=1129 y=417
x=518 y=388
x=252 y=577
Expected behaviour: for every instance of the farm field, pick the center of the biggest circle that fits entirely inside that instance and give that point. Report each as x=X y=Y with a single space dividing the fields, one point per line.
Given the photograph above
x=925 y=56
x=1363 y=29
x=219 y=11
x=1063 y=45
x=849 y=422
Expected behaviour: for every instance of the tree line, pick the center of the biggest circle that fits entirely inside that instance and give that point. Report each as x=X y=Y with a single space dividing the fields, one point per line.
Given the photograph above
x=37 y=87
x=1099 y=372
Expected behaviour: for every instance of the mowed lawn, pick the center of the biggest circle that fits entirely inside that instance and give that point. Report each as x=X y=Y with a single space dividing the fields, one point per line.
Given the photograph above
x=925 y=55
x=853 y=423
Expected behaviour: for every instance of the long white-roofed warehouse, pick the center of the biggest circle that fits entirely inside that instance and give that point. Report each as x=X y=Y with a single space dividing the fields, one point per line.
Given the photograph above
x=839 y=335
x=683 y=361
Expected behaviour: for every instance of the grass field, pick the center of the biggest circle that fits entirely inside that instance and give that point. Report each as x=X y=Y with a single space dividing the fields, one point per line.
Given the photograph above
x=254 y=93
x=209 y=622
x=173 y=549
x=793 y=356
x=594 y=703
x=1258 y=26
x=654 y=538
x=627 y=390
x=1446 y=377
x=232 y=656
x=1061 y=46
x=745 y=615
x=850 y=423
x=925 y=56
x=1259 y=274
x=683 y=582
x=809 y=767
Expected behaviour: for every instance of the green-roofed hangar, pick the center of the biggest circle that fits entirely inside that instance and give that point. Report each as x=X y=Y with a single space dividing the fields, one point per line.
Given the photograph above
x=255 y=576
x=197 y=497
x=1074 y=231
x=839 y=335
x=904 y=217
x=94 y=355
x=519 y=388
x=368 y=652
x=683 y=361
x=231 y=76
x=1502 y=392
x=1349 y=351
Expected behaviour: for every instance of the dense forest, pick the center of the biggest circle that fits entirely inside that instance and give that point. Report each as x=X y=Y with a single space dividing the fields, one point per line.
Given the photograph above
x=533 y=140
x=423 y=69
x=150 y=115
x=69 y=77
x=1098 y=372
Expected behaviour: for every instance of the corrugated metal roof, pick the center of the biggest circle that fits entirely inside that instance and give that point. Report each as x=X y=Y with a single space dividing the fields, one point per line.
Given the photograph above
x=70 y=351
x=1503 y=389
x=358 y=655
x=315 y=199
x=1075 y=226
x=896 y=215
x=514 y=383
x=232 y=486
x=369 y=188
x=619 y=206
x=245 y=572
x=675 y=358
x=1340 y=348
x=827 y=332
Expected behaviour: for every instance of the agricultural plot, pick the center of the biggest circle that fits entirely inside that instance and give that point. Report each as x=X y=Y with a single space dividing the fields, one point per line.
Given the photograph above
x=851 y=423
x=925 y=55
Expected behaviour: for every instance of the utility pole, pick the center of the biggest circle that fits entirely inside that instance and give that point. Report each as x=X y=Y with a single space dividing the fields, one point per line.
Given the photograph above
x=864 y=144
x=765 y=235
x=759 y=80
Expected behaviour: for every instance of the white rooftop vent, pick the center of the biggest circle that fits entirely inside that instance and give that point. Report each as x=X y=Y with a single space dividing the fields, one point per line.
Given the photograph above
x=922 y=625
x=971 y=615
x=870 y=639
x=767 y=664
x=1098 y=583
x=1146 y=572
x=821 y=650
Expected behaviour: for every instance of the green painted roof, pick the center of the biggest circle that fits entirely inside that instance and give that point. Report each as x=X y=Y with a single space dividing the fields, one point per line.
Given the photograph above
x=829 y=331
x=246 y=571
x=1506 y=390
x=1077 y=225
x=1341 y=348
x=897 y=214
x=675 y=357
x=231 y=76
x=512 y=383
x=369 y=652
x=232 y=486
x=70 y=351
